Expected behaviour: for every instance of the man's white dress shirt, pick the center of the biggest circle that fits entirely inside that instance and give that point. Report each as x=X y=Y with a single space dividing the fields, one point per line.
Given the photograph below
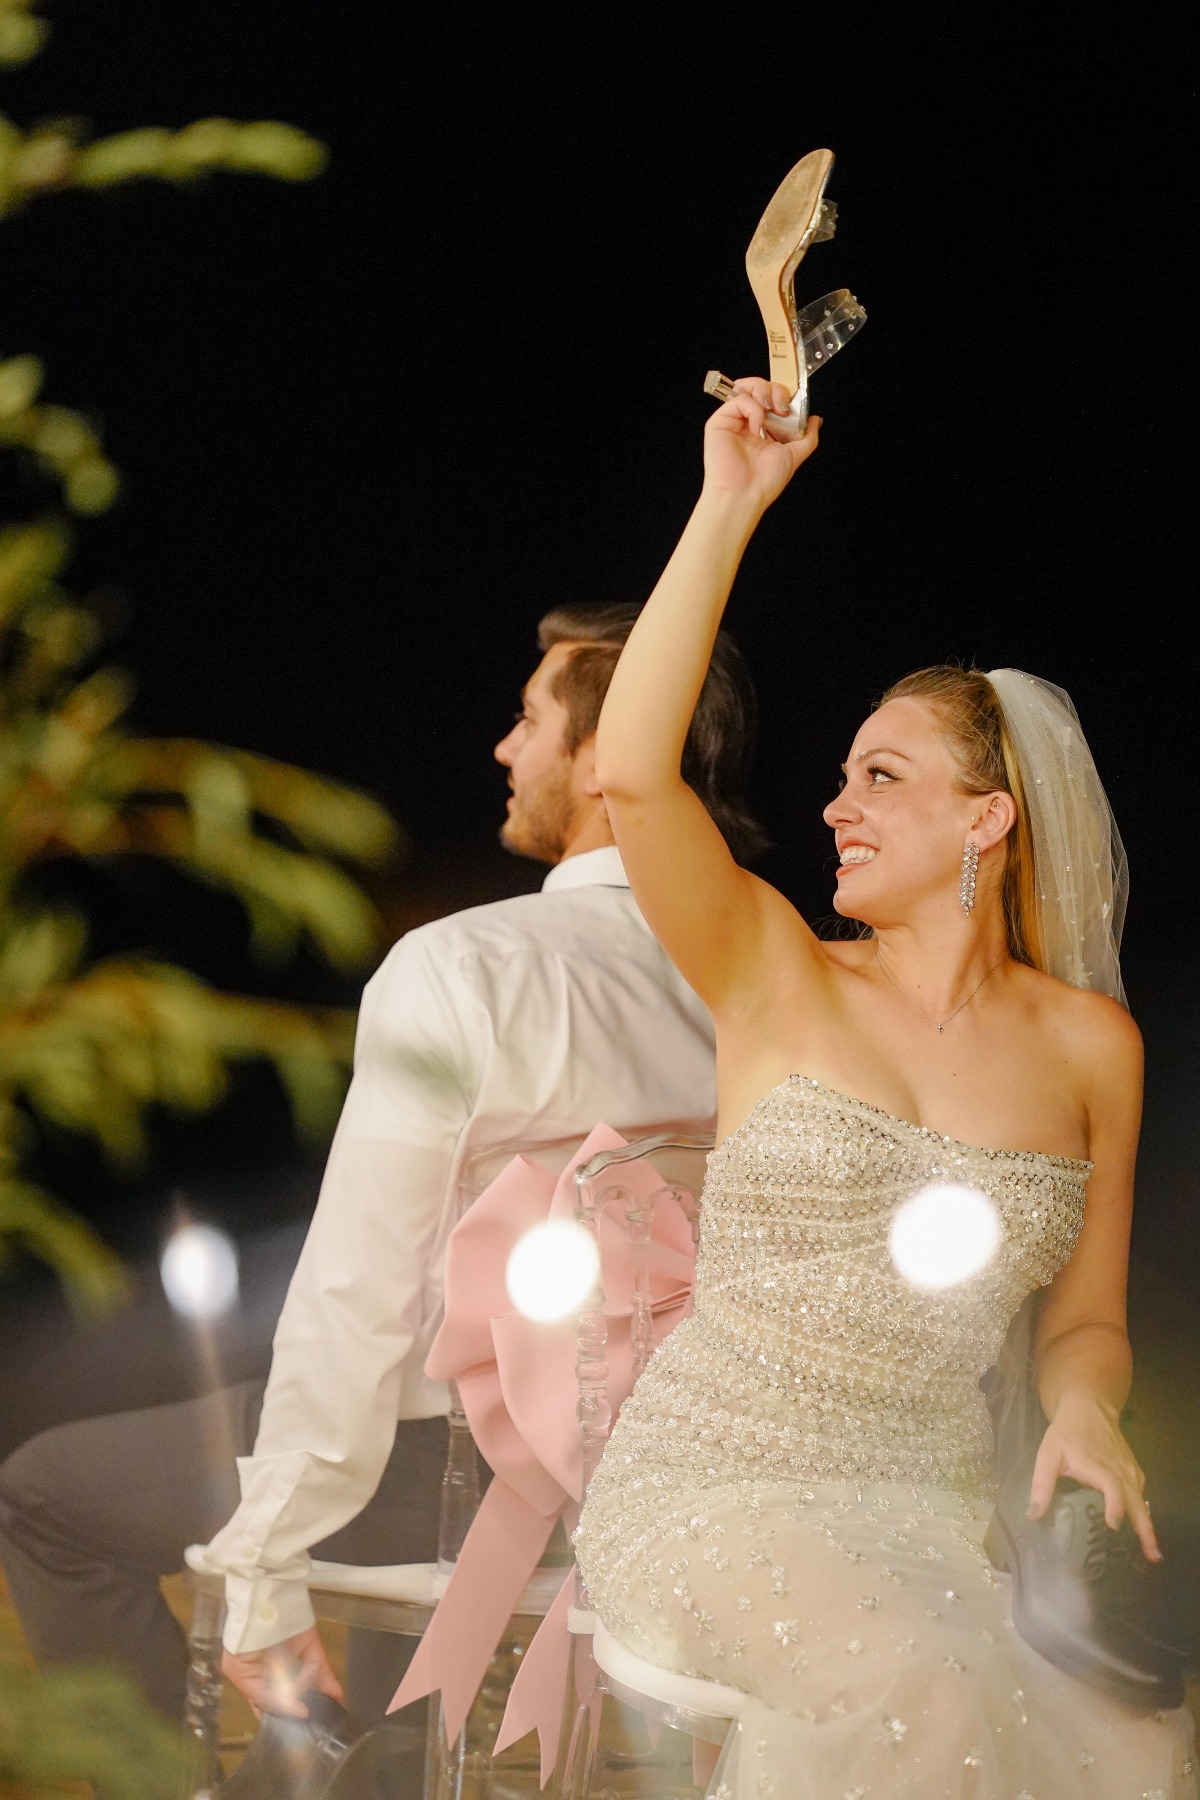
x=529 y=1021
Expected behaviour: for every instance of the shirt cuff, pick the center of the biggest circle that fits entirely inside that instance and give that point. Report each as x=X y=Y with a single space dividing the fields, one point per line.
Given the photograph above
x=264 y=1612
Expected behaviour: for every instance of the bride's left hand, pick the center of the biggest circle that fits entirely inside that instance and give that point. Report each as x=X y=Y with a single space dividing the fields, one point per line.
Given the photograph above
x=1084 y=1442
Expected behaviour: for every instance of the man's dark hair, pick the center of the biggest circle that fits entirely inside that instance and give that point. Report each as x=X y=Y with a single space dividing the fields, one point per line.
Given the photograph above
x=724 y=727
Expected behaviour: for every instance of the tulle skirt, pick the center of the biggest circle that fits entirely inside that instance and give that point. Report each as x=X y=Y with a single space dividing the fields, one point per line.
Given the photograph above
x=875 y=1639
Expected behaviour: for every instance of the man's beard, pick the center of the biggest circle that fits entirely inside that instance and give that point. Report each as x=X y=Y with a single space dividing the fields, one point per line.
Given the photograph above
x=542 y=821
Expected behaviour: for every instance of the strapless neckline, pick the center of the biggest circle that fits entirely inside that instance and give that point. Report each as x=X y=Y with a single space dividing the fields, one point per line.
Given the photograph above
x=816 y=1428
x=901 y=1123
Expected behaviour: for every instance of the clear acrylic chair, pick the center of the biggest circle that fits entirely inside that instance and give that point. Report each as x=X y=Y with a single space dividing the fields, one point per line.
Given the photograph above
x=703 y=1710
x=399 y=1598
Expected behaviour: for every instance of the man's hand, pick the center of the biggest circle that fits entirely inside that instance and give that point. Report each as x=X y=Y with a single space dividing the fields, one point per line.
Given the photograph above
x=273 y=1679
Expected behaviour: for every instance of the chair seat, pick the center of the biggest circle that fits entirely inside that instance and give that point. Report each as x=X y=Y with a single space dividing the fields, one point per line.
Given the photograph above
x=405 y=1584
x=689 y=1695
x=413 y=1584
x=419 y=1584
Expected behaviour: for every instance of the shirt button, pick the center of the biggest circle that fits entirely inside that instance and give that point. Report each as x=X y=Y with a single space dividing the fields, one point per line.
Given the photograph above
x=267 y=1613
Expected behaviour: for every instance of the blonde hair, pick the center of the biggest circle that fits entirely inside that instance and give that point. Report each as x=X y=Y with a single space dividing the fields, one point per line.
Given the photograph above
x=972 y=720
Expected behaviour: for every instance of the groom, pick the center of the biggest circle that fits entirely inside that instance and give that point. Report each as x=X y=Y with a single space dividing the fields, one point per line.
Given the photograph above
x=529 y=1019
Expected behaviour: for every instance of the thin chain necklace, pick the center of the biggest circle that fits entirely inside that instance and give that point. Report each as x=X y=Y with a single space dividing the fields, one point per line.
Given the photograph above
x=920 y=1009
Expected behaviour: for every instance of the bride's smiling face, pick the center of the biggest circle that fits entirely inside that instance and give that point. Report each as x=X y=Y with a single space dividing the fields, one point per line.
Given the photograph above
x=901 y=818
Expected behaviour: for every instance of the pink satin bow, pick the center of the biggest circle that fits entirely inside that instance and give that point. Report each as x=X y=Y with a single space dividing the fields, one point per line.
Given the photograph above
x=516 y=1378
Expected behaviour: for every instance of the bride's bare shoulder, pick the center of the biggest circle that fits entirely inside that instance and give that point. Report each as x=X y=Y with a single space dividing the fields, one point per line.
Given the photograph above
x=1094 y=1027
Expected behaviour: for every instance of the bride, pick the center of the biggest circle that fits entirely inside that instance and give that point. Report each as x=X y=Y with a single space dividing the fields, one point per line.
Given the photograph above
x=794 y=1499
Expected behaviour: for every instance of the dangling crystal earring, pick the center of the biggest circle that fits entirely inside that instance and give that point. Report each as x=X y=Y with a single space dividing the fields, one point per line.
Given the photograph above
x=966 y=885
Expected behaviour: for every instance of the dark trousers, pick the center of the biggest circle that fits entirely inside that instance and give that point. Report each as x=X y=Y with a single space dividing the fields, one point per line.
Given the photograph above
x=93 y=1513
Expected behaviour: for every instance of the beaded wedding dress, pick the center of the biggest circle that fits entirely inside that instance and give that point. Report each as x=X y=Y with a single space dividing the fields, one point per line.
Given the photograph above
x=794 y=1498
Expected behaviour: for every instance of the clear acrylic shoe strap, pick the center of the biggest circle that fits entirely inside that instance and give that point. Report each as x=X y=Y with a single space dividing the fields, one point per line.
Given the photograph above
x=822 y=328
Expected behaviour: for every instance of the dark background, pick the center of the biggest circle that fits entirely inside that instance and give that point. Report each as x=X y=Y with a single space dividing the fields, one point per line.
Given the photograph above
x=372 y=428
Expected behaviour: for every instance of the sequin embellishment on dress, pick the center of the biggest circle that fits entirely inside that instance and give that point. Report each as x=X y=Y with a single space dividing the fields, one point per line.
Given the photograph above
x=794 y=1498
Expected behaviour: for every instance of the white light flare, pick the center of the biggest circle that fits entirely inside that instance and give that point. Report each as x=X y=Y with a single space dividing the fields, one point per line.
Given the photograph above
x=942 y=1236
x=199 y=1271
x=552 y=1270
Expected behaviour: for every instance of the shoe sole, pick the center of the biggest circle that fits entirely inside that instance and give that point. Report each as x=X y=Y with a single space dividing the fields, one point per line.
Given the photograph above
x=784 y=233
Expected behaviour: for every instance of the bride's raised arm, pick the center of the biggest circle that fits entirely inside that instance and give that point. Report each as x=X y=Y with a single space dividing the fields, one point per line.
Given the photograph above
x=709 y=914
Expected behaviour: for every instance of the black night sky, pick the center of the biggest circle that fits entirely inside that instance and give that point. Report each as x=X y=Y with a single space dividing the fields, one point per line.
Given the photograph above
x=373 y=427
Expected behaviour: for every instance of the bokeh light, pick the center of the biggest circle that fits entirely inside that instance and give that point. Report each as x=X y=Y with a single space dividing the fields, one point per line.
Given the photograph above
x=199 y=1271
x=943 y=1235
x=552 y=1270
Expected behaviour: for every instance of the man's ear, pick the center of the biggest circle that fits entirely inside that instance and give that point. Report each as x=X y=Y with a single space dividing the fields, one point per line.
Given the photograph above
x=996 y=820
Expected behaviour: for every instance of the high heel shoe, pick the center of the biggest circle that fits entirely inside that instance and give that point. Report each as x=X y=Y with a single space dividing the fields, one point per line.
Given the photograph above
x=798 y=342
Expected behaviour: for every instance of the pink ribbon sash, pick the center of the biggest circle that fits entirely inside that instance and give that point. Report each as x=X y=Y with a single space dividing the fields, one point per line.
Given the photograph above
x=517 y=1382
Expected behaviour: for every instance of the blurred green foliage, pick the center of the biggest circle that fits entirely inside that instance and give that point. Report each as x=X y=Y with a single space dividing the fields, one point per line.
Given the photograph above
x=64 y=1727
x=62 y=442
x=22 y=33
x=57 y=153
x=91 y=1047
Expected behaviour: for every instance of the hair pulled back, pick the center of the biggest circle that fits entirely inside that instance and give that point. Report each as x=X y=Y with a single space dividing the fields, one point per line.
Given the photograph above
x=721 y=736
x=972 y=721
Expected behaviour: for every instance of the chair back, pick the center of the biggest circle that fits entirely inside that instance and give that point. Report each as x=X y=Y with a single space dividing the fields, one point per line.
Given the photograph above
x=460 y=1480
x=603 y=1187
x=482 y=1164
